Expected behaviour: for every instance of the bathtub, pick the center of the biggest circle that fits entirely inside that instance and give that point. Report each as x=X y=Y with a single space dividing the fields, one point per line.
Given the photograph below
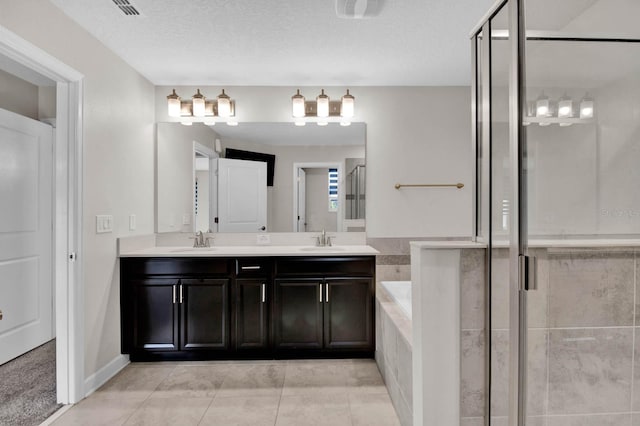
x=400 y=291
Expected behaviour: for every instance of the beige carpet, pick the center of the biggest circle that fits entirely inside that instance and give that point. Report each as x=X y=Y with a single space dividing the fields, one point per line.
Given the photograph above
x=28 y=387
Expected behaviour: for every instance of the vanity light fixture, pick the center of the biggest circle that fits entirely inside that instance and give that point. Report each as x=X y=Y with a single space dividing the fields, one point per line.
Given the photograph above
x=322 y=102
x=224 y=105
x=586 y=107
x=542 y=106
x=173 y=104
x=298 y=109
x=323 y=110
x=201 y=107
x=347 y=108
x=197 y=102
x=565 y=107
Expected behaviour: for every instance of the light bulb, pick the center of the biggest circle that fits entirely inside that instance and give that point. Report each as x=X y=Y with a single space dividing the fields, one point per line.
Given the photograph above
x=322 y=102
x=224 y=105
x=347 y=109
x=232 y=123
x=198 y=104
x=586 y=107
x=297 y=105
x=300 y=123
x=173 y=104
x=542 y=106
x=186 y=123
x=323 y=123
x=565 y=107
x=345 y=123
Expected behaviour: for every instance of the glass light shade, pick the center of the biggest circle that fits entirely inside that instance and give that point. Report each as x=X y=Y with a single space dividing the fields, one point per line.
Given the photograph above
x=565 y=107
x=198 y=104
x=300 y=123
x=323 y=123
x=232 y=123
x=297 y=105
x=542 y=106
x=173 y=104
x=209 y=123
x=565 y=124
x=544 y=124
x=345 y=123
x=322 y=102
x=224 y=105
x=347 y=109
x=186 y=123
x=586 y=108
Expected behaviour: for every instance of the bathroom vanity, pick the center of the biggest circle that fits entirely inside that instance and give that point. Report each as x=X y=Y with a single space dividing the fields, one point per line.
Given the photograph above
x=247 y=302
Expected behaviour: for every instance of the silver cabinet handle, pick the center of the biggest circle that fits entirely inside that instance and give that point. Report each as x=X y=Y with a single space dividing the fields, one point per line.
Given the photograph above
x=320 y=293
x=181 y=298
x=250 y=268
x=326 y=293
x=264 y=292
x=174 y=293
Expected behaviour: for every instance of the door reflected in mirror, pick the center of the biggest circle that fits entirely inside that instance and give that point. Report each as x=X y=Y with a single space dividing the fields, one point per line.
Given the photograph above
x=189 y=195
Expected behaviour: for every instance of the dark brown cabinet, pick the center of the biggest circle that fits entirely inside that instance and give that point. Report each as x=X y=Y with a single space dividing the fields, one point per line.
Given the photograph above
x=251 y=314
x=298 y=314
x=262 y=307
x=155 y=315
x=204 y=307
x=335 y=313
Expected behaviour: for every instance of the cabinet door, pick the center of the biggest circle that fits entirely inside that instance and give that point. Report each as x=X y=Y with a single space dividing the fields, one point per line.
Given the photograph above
x=155 y=314
x=251 y=314
x=348 y=313
x=297 y=318
x=204 y=313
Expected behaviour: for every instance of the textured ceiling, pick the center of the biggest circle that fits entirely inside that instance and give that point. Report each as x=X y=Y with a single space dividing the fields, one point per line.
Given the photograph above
x=287 y=42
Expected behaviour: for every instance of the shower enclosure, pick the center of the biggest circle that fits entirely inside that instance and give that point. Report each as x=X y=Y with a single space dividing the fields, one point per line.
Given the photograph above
x=556 y=122
x=356 y=191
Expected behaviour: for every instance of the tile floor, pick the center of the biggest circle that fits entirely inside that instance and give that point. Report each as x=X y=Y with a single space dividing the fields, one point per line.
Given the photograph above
x=281 y=393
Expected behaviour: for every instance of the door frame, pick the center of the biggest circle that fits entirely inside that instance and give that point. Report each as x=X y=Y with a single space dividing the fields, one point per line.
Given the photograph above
x=67 y=210
x=213 y=182
x=341 y=193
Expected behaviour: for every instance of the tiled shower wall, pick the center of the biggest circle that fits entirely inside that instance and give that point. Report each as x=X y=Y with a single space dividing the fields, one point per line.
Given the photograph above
x=584 y=366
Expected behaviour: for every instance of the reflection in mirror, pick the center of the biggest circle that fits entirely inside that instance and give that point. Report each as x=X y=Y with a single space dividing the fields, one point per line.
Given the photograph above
x=187 y=194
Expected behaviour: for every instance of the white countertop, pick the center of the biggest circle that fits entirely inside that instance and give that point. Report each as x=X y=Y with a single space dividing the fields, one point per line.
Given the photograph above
x=446 y=244
x=533 y=243
x=246 y=251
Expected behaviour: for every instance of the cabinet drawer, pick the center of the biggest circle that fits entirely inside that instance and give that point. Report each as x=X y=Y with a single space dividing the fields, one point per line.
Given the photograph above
x=253 y=267
x=326 y=266
x=176 y=266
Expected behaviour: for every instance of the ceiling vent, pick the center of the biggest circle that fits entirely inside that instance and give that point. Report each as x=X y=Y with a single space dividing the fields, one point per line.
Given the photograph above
x=357 y=9
x=126 y=7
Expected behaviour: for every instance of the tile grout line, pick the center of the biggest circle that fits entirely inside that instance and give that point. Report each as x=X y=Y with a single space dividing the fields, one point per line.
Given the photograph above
x=148 y=397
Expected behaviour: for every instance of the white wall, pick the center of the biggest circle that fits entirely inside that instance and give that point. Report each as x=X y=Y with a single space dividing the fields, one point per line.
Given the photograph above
x=414 y=135
x=174 y=188
x=202 y=217
x=118 y=138
x=19 y=96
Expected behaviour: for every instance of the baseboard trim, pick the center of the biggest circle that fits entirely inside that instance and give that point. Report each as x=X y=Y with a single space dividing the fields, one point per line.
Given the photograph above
x=100 y=377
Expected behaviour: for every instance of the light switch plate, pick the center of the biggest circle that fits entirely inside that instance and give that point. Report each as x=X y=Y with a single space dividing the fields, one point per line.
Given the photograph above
x=104 y=223
x=263 y=239
x=132 y=222
x=186 y=219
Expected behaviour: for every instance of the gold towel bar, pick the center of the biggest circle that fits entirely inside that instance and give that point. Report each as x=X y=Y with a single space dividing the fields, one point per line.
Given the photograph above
x=429 y=185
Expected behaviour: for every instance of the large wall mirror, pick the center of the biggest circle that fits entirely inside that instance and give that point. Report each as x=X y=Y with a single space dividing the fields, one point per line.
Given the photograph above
x=260 y=177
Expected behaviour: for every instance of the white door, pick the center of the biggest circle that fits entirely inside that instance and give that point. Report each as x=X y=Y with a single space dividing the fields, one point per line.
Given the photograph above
x=242 y=195
x=26 y=221
x=302 y=200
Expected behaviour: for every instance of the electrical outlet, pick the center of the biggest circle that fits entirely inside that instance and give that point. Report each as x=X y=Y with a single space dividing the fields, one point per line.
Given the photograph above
x=263 y=239
x=186 y=219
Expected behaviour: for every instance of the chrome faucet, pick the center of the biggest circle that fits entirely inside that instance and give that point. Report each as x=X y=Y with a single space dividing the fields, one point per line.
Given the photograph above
x=200 y=241
x=323 y=240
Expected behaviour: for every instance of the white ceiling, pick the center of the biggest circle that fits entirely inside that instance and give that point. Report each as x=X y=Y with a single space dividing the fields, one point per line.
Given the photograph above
x=287 y=42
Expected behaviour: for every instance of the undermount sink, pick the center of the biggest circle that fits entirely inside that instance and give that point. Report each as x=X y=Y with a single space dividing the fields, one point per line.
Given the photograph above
x=322 y=249
x=193 y=250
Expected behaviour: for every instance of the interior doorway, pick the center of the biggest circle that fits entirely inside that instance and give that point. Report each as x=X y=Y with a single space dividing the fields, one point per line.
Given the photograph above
x=318 y=197
x=31 y=62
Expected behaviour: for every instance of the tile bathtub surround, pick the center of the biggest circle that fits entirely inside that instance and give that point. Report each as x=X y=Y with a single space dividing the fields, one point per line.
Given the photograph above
x=394 y=354
x=295 y=392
